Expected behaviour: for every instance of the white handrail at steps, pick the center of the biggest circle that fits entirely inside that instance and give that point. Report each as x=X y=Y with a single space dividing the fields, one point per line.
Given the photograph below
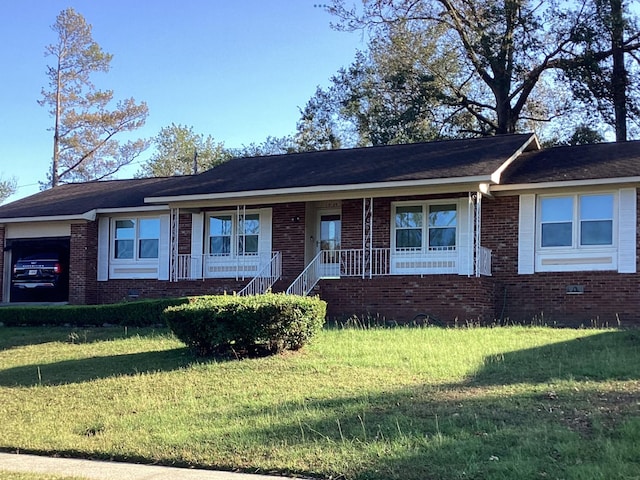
x=307 y=279
x=265 y=278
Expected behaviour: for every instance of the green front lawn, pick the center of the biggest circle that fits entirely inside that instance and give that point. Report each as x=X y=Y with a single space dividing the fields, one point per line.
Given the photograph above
x=422 y=403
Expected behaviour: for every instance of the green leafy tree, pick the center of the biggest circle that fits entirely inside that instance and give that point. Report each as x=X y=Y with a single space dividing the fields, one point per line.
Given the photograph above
x=383 y=97
x=608 y=86
x=581 y=134
x=507 y=51
x=181 y=151
x=85 y=127
x=7 y=188
x=319 y=124
x=270 y=146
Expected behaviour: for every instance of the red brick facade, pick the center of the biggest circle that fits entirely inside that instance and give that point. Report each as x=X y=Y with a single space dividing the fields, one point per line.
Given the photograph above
x=83 y=251
x=403 y=298
x=608 y=297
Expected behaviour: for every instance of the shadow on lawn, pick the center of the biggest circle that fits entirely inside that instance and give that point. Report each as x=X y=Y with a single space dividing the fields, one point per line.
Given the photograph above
x=613 y=355
x=88 y=369
x=12 y=337
x=473 y=429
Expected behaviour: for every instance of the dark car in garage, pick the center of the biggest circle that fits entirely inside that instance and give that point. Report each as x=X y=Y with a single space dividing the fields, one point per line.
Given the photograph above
x=44 y=270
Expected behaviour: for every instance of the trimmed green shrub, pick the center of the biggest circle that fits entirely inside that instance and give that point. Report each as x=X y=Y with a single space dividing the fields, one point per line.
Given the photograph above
x=247 y=325
x=139 y=314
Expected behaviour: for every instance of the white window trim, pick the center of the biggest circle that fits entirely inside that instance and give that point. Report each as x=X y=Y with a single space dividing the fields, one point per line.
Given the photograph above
x=454 y=260
x=235 y=234
x=576 y=256
x=236 y=265
x=575 y=223
x=138 y=268
x=620 y=256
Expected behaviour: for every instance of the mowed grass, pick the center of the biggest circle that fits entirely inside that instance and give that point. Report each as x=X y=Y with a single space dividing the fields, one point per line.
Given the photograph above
x=404 y=403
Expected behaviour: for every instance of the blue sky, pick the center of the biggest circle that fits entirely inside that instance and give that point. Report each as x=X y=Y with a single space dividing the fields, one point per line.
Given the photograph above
x=238 y=71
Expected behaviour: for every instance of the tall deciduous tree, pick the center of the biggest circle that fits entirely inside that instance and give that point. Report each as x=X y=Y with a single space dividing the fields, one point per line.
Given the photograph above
x=609 y=85
x=383 y=97
x=507 y=50
x=85 y=125
x=181 y=151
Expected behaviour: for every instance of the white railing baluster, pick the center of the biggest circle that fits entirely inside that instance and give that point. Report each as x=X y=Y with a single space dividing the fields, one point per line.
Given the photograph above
x=305 y=282
x=265 y=278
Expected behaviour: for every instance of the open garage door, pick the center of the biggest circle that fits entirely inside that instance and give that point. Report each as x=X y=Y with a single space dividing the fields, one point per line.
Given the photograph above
x=39 y=269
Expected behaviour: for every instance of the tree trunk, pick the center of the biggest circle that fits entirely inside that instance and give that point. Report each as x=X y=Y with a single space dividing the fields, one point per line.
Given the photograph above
x=56 y=130
x=619 y=76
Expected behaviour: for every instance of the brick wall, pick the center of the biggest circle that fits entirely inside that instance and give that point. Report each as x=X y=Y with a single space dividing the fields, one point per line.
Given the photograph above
x=288 y=237
x=608 y=296
x=184 y=233
x=83 y=252
x=120 y=290
x=351 y=222
x=447 y=298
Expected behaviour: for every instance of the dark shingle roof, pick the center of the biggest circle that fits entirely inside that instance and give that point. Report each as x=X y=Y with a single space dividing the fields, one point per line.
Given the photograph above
x=583 y=162
x=420 y=161
x=390 y=163
x=78 y=198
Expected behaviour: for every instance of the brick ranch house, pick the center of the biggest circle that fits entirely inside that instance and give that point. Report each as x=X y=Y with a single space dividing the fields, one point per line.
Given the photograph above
x=473 y=229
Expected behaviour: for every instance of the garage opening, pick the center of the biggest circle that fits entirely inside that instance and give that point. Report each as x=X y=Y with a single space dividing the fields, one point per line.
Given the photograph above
x=39 y=269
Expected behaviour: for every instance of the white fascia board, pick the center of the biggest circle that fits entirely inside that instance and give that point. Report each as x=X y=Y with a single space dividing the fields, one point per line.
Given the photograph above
x=87 y=216
x=322 y=189
x=531 y=144
x=563 y=184
x=149 y=208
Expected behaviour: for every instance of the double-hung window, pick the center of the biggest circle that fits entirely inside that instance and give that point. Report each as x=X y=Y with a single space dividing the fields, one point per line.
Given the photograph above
x=248 y=234
x=425 y=227
x=430 y=237
x=234 y=235
x=578 y=232
x=576 y=221
x=136 y=238
x=220 y=230
x=409 y=227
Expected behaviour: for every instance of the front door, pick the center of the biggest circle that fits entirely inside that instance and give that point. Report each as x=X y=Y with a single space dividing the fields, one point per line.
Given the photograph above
x=329 y=244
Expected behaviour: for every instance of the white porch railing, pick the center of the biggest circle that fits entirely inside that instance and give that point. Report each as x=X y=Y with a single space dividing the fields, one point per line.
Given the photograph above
x=189 y=267
x=341 y=263
x=355 y=263
x=265 y=279
x=305 y=282
x=364 y=263
x=199 y=267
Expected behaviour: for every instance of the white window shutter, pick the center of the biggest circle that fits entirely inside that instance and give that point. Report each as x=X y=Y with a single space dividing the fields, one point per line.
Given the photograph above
x=164 y=248
x=103 y=249
x=197 y=236
x=527 y=234
x=465 y=236
x=627 y=236
x=264 y=248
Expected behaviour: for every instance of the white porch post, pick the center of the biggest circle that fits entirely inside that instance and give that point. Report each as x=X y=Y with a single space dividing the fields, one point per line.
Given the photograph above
x=367 y=236
x=478 y=221
x=174 y=227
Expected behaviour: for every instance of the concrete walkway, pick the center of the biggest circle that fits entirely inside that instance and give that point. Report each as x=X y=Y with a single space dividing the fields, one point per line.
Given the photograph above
x=101 y=470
